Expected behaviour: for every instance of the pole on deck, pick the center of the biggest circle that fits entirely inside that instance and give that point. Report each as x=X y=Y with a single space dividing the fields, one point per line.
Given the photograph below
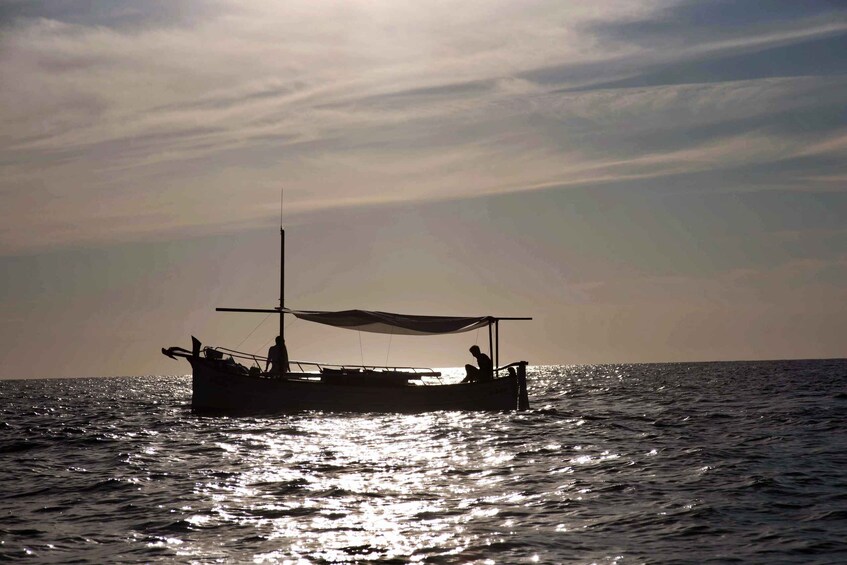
x=491 y=343
x=497 y=342
x=523 y=396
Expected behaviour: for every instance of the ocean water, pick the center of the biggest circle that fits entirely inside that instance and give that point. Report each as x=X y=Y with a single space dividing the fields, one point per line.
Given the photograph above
x=668 y=463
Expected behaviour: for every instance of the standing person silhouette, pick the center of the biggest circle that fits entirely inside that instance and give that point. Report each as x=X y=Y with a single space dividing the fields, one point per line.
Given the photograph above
x=485 y=372
x=277 y=358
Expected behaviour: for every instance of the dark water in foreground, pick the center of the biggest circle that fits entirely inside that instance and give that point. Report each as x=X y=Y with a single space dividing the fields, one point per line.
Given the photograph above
x=678 y=463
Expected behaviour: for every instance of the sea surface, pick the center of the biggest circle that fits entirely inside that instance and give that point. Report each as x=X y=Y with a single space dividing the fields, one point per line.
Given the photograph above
x=667 y=463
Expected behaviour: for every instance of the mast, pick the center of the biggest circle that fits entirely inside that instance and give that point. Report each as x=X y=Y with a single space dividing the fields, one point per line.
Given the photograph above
x=281 y=281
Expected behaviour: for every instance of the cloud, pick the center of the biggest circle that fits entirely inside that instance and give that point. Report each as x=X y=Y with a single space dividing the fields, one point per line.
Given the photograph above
x=812 y=282
x=691 y=22
x=119 y=122
x=119 y=14
x=812 y=52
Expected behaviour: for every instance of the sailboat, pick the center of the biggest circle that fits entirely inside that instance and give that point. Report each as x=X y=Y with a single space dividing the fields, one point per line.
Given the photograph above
x=233 y=382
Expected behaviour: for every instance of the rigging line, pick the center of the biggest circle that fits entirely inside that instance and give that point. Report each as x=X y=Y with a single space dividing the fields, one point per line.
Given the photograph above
x=361 y=351
x=391 y=335
x=267 y=343
x=252 y=332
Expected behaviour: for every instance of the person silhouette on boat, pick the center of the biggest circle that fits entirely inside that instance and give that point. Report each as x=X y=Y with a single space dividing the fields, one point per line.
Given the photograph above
x=277 y=358
x=485 y=371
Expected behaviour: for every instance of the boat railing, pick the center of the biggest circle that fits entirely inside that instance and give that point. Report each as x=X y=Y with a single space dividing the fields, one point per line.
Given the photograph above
x=507 y=367
x=308 y=367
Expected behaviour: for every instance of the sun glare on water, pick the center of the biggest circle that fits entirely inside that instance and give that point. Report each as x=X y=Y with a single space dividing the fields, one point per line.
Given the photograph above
x=345 y=487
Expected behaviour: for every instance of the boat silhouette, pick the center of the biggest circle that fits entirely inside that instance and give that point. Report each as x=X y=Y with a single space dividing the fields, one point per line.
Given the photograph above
x=229 y=381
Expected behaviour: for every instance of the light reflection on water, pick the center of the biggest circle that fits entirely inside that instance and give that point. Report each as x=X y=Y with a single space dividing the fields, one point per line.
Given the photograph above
x=612 y=462
x=341 y=487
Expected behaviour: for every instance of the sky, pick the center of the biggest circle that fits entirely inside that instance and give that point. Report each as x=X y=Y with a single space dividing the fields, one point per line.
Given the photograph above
x=648 y=180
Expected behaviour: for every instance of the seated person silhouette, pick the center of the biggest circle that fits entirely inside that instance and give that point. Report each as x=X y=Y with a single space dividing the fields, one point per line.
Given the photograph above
x=485 y=372
x=277 y=358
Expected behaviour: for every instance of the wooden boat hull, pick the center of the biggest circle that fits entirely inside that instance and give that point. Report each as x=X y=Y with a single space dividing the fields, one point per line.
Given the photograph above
x=217 y=390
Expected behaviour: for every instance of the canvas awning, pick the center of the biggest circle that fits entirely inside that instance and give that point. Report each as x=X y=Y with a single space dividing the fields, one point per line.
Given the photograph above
x=391 y=323
x=385 y=322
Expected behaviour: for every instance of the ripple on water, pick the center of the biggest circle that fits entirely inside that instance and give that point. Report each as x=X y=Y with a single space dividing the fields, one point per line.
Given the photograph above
x=658 y=463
